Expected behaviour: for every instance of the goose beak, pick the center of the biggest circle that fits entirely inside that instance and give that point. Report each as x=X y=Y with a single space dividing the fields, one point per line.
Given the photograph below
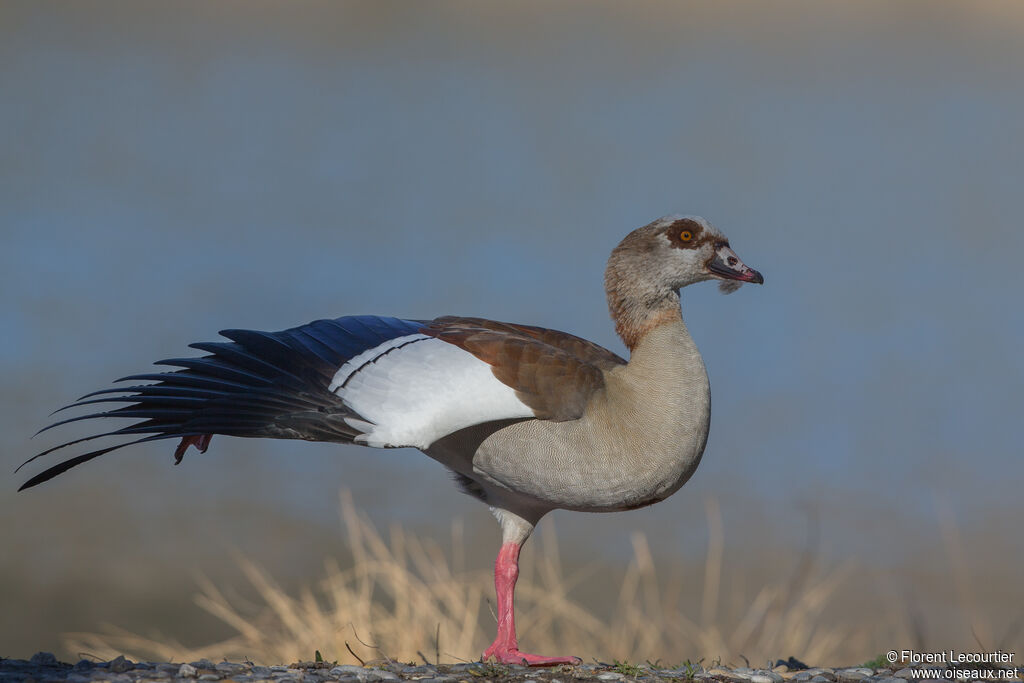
x=728 y=266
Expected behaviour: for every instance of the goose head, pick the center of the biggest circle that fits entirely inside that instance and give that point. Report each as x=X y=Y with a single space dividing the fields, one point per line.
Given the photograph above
x=648 y=268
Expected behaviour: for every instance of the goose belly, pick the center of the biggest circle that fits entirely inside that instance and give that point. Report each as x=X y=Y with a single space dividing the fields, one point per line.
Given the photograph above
x=571 y=466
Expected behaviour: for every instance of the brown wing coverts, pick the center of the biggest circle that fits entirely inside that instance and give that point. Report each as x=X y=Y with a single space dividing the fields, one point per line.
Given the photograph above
x=586 y=351
x=552 y=372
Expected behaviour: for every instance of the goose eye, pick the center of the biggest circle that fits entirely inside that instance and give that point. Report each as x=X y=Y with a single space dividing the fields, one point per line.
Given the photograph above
x=686 y=235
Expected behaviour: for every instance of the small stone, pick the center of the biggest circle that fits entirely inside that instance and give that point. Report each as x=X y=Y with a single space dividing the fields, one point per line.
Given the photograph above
x=851 y=675
x=610 y=676
x=820 y=679
x=203 y=664
x=888 y=679
x=43 y=659
x=120 y=665
x=349 y=669
x=116 y=678
x=77 y=678
x=905 y=673
x=763 y=678
x=362 y=674
x=187 y=671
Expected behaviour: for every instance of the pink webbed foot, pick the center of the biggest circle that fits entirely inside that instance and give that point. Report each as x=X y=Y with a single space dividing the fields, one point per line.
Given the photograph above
x=201 y=442
x=511 y=655
x=505 y=648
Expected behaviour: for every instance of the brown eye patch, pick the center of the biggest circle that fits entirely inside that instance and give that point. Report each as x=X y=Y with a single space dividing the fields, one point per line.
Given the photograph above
x=684 y=233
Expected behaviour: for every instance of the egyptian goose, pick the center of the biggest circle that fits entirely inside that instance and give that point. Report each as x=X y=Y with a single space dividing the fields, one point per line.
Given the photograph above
x=528 y=419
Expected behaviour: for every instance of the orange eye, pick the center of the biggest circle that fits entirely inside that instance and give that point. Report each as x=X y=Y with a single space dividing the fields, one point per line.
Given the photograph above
x=686 y=235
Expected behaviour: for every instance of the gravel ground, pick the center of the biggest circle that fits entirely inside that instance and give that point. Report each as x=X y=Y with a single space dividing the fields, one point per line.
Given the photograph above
x=44 y=668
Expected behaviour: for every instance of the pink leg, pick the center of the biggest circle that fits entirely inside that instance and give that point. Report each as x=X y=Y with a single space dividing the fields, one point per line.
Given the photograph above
x=505 y=647
x=201 y=442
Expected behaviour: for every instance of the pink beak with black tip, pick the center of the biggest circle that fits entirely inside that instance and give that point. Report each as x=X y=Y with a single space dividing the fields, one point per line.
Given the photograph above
x=727 y=265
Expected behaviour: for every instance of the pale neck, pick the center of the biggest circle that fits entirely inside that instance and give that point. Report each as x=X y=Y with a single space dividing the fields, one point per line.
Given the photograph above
x=634 y=319
x=667 y=352
x=664 y=394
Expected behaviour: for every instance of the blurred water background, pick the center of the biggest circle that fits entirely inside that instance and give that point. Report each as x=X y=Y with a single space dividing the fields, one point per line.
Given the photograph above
x=171 y=169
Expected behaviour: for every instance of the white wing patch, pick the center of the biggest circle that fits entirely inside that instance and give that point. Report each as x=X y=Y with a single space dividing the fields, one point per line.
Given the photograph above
x=415 y=389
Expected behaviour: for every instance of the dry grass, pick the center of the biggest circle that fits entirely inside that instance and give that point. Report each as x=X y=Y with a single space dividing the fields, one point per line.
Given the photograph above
x=403 y=599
